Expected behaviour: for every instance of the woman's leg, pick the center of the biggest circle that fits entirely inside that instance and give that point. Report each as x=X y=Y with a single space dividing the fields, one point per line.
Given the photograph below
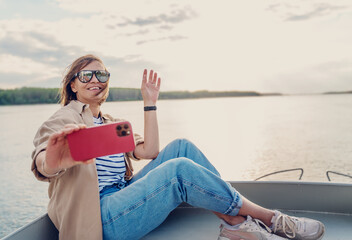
x=143 y=205
x=251 y=209
x=176 y=149
x=184 y=148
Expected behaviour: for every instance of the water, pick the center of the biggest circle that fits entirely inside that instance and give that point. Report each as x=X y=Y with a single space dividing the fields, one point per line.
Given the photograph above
x=244 y=138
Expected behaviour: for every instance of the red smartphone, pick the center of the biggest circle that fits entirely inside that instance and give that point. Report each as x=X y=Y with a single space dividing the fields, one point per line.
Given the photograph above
x=101 y=141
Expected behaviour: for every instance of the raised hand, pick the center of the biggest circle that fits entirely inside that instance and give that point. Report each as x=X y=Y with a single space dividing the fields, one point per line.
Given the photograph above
x=150 y=88
x=150 y=92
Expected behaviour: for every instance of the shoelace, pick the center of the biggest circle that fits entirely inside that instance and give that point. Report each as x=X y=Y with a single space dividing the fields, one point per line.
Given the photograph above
x=260 y=224
x=288 y=226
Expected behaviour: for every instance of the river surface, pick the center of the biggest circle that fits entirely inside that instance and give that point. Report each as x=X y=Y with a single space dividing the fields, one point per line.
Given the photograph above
x=244 y=137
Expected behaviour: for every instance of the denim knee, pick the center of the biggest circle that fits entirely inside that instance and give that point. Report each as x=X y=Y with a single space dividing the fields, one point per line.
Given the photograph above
x=182 y=165
x=181 y=141
x=201 y=187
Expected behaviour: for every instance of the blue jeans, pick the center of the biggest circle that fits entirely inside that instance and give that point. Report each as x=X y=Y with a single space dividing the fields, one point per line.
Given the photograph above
x=180 y=173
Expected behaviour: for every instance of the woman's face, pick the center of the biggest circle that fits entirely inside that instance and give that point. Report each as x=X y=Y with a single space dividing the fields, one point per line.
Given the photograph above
x=93 y=91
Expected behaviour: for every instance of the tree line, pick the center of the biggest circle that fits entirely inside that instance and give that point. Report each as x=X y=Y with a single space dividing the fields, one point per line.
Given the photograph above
x=29 y=95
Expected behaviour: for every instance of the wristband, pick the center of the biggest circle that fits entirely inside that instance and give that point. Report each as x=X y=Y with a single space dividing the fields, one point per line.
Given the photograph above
x=51 y=175
x=150 y=108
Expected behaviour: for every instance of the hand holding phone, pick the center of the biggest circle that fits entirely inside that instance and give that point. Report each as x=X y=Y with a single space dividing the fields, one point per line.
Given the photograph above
x=101 y=140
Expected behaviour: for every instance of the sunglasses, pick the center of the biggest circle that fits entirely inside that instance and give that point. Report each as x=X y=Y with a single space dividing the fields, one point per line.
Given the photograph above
x=86 y=75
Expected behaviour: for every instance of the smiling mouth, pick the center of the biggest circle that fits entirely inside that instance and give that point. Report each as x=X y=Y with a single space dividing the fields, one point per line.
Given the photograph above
x=94 y=88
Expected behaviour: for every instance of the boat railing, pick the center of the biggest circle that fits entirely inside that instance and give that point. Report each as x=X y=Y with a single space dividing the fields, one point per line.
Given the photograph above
x=337 y=173
x=282 y=171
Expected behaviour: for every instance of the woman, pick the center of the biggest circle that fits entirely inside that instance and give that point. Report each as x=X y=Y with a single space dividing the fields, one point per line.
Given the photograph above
x=100 y=198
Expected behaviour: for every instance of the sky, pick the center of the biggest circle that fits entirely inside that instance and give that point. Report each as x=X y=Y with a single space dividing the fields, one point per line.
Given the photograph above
x=291 y=47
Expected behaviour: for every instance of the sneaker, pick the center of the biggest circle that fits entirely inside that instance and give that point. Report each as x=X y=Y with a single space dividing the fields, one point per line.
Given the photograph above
x=251 y=229
x=297 y=228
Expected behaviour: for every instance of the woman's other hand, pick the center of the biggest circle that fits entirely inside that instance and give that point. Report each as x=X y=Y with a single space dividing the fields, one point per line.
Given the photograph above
x=150 y=88
x=150 y=92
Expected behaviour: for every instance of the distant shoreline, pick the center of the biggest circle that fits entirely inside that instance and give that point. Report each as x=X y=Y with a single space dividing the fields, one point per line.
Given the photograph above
x=29 y=95
x=344 y=92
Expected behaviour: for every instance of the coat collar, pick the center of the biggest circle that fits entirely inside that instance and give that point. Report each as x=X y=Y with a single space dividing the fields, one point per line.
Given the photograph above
x=82 y=107
x=78 y=106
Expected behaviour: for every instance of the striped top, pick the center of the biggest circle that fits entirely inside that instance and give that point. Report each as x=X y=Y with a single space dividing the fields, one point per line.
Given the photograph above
x=111 y=169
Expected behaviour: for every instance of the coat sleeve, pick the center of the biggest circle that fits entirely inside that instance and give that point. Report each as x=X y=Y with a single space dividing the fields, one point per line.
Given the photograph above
x=52 y=125
x=138 y=139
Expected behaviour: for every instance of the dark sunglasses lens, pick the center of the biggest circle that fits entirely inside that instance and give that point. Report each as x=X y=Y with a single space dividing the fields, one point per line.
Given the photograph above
x=102 y=76
x=85 y=76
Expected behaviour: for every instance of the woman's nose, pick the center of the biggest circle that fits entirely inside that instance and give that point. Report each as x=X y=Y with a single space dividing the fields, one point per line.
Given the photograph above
x=94 y=78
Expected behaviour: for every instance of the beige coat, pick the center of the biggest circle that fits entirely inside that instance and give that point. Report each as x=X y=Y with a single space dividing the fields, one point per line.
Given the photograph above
x=74 y=205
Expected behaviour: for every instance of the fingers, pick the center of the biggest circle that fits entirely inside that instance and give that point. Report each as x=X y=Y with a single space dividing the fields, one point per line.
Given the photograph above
x=144 y=79
x=153 y=78
x=75 y=126
x=81 y=125
x=55 y=137
x=159 y=83
x=88 y=161
x=68 y=128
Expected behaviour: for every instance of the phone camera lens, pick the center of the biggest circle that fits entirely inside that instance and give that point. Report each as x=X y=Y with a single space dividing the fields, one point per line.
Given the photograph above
x=119 y=127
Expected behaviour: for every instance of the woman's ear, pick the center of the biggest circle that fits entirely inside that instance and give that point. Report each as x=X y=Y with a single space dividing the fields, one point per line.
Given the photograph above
x=73 y=87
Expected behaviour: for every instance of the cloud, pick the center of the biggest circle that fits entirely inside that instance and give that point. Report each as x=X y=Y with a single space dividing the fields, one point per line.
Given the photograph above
x=18 y=71
x=132 y=8
x=153 y=28
x=36 y=53
x=30 y=44
x=318 y=11
x=16 y=80
x=134 y=12
x=303 y=10
x=323 y=77
x=170 y=38
x=39 y=60
x=196 y=44
x=33 y=59
x=173 y=17
x=127 y=71
x=142 y=21
x=38 y=47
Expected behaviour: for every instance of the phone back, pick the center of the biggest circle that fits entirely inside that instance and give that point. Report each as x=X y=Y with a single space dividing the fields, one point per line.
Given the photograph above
x=101 y=141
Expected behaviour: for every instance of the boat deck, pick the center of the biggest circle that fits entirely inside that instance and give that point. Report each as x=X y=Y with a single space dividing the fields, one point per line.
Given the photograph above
x=331 y=203
x=196 y=223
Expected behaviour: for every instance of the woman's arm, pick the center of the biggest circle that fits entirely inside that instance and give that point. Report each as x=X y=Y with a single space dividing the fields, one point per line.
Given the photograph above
x=57 y=156
x=150 y=93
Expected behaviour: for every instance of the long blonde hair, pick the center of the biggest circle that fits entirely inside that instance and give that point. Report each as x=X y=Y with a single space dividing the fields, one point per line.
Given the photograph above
x=66 y=93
